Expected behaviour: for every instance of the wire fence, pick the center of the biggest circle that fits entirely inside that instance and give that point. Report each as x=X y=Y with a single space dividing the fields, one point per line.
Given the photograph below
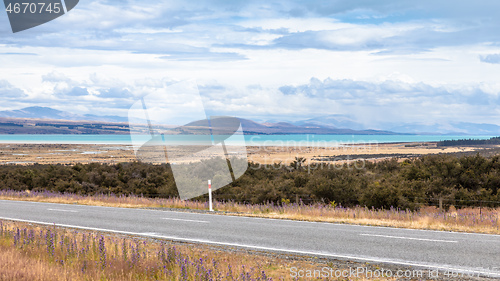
x=439 y=202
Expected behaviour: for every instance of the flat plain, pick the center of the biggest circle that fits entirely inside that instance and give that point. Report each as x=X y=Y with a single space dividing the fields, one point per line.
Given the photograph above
x=116 y=153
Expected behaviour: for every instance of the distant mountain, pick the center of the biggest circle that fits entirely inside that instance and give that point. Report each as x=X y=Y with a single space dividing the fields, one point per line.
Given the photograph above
x=251 y=127
x=280 y=125
x=448 y=128
x=438 y=128
x=248 y=124
x=38 y=112
x=332 y=121
x=477 y=129
x=334 y=124
x=331 y=124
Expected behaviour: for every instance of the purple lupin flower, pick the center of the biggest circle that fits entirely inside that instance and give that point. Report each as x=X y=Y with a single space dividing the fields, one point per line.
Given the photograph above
x=102 y=252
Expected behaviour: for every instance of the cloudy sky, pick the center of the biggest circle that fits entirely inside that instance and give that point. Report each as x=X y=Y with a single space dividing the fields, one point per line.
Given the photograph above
x=377 y=61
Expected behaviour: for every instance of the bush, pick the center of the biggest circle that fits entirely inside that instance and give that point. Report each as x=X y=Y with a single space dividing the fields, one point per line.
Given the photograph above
x=384 y=184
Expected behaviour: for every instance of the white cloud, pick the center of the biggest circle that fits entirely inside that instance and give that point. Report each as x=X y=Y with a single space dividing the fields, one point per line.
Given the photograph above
x=491 y=58
x=386 y=59
x=294 y=25
x=8 y=91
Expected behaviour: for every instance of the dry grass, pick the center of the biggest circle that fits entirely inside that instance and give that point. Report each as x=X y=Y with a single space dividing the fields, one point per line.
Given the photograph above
x=30 y=252
x=14 y=265
x=41 y=253
x=464 y=220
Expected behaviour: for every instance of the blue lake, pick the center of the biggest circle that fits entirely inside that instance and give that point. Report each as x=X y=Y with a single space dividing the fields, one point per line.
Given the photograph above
x=252 y=140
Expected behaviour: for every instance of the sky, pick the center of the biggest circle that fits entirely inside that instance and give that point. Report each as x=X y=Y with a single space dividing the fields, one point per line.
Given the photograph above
x=375 y=61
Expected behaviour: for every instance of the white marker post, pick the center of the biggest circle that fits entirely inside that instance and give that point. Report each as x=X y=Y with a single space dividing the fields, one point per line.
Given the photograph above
x=210 y=195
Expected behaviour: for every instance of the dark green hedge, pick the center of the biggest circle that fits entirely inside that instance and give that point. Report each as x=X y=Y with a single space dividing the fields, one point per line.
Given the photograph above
x=461 y=181
x=490 y=141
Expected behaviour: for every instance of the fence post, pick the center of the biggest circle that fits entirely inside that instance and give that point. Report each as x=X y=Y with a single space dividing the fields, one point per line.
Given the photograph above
x=210 y=195
x=440 y=204
x=480 y=207
x=498 y=217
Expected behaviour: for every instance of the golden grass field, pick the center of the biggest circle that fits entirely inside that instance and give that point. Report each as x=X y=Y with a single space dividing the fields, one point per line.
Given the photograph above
x=109 y=257
x=30 y=252
x=286 y=155
x=105 y=153
x=475 y=220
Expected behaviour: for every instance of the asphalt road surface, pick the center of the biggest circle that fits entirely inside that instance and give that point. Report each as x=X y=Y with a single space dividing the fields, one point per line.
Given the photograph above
x=435 y=250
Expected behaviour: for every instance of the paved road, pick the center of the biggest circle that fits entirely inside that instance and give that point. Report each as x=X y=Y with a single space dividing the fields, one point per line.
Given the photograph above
x=457 y=252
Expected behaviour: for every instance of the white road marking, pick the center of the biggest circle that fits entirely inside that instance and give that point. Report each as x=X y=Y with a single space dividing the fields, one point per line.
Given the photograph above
x=378 y=260
x=251 y=217
x=409 y=238
x=62 y=210
x=184 y=220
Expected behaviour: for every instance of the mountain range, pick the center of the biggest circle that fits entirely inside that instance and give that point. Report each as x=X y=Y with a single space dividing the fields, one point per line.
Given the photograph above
x=448 y=128
x=38 y=112
x=252 y=127
x=331 y=124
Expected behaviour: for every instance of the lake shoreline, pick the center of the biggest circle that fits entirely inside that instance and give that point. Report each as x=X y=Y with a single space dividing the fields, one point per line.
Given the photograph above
x=67 y=154
x=249 y=140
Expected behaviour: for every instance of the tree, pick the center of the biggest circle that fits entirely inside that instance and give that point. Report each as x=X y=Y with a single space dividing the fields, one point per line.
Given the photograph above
x=297 y=163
